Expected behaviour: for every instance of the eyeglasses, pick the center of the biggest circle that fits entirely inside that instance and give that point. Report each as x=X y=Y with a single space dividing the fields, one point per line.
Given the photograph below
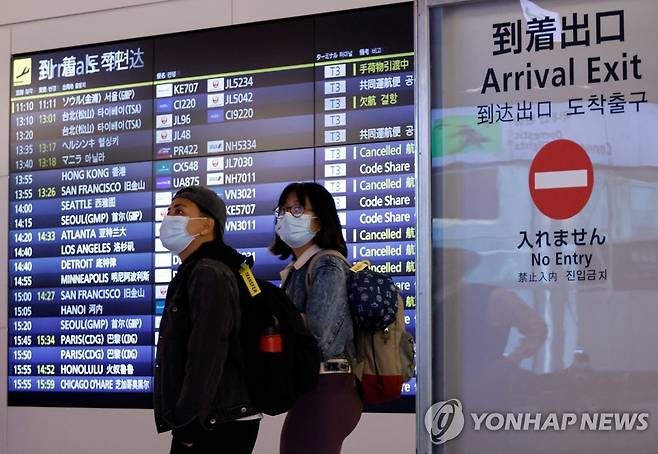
x=295 y=210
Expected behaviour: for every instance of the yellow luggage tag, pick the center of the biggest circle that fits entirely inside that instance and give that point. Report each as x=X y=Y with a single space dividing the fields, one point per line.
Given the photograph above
x=249 y=280
x=360 y=266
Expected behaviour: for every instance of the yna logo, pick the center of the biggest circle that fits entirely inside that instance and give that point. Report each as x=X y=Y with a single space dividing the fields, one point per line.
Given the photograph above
x=444 y=420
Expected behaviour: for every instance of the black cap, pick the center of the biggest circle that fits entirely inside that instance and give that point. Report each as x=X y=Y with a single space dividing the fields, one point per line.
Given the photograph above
x=208 y=201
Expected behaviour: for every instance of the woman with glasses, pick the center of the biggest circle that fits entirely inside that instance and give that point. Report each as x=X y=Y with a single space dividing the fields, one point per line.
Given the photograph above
x=307 y=223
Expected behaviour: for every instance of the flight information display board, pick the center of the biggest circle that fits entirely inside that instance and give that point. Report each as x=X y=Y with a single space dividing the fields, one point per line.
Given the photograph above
x=102 y=137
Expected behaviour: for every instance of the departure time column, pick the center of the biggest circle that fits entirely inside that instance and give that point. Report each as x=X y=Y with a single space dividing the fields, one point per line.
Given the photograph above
x=80 y=275
x=80 y=234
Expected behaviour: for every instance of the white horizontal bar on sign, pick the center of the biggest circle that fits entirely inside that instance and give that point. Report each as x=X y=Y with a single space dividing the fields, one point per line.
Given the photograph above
x=561 y=179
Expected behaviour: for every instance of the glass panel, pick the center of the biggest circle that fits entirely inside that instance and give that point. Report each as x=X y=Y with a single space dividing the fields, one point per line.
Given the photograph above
x=545 y=226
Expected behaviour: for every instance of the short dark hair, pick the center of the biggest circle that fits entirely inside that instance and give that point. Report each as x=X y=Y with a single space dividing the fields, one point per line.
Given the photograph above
x=330 y=235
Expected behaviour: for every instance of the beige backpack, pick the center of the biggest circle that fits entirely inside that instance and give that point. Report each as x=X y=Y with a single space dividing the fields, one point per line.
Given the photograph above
x=384 y=359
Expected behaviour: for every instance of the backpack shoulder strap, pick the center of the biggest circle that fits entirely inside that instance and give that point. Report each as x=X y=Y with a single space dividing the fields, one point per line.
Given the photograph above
x=314 y=261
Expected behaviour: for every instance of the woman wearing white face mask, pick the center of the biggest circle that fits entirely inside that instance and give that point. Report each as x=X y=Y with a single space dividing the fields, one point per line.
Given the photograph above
x=306 y=223
x=199 y=391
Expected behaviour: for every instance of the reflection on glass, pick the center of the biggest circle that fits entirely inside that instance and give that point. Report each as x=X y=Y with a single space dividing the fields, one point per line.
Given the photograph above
x=546 y=326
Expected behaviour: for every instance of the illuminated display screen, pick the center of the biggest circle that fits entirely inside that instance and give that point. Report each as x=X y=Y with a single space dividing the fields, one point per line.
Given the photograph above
x=102 y=136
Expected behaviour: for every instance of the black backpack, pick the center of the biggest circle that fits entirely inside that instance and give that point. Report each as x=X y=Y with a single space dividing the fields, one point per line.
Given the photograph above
x=275 y=380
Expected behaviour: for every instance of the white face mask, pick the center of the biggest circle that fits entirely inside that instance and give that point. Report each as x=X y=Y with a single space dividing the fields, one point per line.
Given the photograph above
x=295 y=232
x=174 y=234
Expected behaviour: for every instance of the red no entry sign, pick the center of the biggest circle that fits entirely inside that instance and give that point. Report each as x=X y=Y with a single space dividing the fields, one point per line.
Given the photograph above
x=561 y=179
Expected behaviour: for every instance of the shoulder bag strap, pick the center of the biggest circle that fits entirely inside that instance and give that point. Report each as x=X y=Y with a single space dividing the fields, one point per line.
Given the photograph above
x=314 y=260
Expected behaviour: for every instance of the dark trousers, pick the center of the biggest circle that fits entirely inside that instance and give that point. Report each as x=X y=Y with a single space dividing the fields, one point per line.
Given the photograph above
x=235 y=437
x=320 y=421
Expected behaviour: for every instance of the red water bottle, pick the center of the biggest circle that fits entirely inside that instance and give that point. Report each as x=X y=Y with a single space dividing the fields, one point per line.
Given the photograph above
x=270 y=341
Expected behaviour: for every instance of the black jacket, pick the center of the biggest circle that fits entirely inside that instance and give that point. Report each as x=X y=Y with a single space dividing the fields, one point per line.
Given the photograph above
x=199 y=372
